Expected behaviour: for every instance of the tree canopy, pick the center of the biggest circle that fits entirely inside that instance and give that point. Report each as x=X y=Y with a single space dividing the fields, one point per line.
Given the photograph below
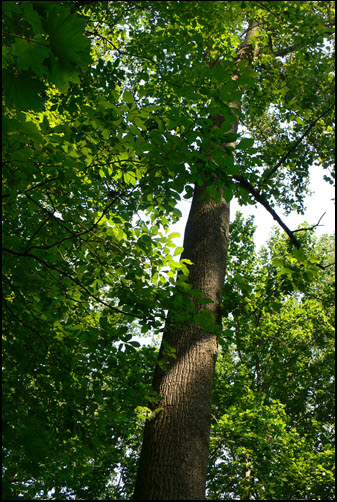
x=109 y=120
x=273 y=433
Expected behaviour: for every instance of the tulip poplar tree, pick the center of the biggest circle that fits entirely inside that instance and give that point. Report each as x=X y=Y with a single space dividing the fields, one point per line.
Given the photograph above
x=114 y=112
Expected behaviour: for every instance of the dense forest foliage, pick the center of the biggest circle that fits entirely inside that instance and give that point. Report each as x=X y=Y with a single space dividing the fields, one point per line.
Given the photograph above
x=114 y=112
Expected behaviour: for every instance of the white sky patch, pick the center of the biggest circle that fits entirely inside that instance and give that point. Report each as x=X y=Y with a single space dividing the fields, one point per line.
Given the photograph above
x=321 y=201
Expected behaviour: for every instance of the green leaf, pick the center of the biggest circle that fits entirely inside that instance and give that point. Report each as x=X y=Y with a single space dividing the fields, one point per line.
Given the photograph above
x=30 y=54
x=128 y=97
x=245 y=143
x=178 y=250
x=67 y=38
x=205 y=319
x=25 y=92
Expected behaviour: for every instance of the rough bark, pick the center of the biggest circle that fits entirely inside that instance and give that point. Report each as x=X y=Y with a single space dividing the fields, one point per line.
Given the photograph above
x=174 y=457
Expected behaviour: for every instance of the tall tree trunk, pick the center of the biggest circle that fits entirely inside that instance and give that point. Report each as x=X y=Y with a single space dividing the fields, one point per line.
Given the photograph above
x=174 y=457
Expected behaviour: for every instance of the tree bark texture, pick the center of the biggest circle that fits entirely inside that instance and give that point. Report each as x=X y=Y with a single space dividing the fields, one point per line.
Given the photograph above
x=174 y=457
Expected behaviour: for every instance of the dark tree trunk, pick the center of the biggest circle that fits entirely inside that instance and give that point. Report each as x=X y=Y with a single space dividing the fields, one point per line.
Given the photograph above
x=174 y=457
x=176 y=441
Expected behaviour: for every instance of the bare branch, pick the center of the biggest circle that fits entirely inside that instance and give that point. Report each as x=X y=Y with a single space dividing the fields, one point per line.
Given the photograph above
x=256 y=194
x=310 y=228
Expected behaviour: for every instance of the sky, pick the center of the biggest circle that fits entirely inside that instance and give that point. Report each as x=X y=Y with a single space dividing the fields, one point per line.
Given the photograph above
x=321 y=201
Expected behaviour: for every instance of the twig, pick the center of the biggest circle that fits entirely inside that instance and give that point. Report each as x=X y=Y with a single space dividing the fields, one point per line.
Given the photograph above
x=38 y=230
x=24 y=38
x=31 y=188
x=310 y=228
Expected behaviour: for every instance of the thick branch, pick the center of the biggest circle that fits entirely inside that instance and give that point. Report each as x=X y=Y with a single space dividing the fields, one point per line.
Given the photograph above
x=286 y=50
x=256 y=194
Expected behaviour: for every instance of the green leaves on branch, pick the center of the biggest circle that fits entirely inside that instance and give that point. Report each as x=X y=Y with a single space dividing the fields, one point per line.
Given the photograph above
x=49 y=48
x=297 y=268
x=144 y=413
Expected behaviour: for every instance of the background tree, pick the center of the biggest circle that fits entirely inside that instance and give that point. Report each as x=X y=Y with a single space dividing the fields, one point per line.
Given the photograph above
x=98 y=148
x=273 y=428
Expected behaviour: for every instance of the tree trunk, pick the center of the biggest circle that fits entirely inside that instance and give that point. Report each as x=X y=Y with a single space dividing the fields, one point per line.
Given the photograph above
x=173 y=463
x=174 y=458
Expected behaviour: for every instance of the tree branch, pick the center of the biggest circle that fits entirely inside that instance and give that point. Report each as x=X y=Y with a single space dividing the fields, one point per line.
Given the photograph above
x=31 y=188
x=256 y=194
x=24 y=38
x=72 y=279
x=39 y=228
x=286 y=50
x=310 y=228
x=269 y=173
